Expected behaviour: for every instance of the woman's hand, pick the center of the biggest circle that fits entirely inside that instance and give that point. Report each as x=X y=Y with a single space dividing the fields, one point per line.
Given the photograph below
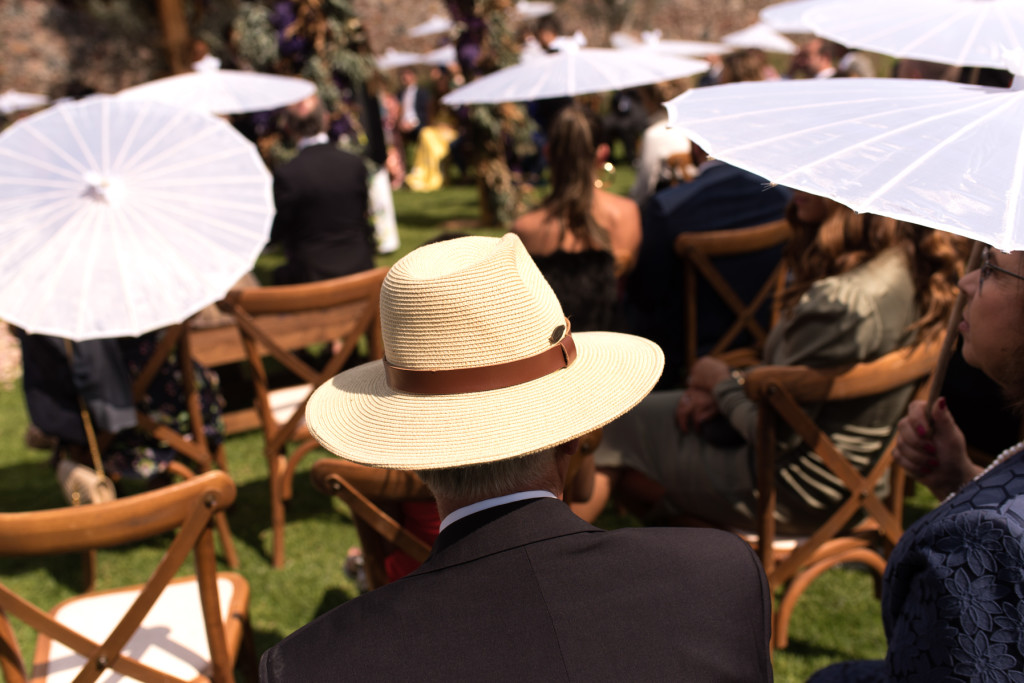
x=695 y=406
x=935 y=452
x=706 y=373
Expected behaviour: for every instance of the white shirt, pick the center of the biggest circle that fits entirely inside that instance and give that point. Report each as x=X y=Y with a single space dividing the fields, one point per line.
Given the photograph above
x=318 y=139
x=481 y=505
x=409 y=106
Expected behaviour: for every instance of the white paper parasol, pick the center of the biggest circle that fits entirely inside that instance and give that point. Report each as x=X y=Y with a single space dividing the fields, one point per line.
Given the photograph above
x=431 y=27
x=533 y=9
x=573 y=72
x=788 y=17
x=940 y=154
x=120 y=217
x=957 y=32
x=224 y=91
x=762 y=37
x=397 y=59
x=13 y=100
x=653 y=41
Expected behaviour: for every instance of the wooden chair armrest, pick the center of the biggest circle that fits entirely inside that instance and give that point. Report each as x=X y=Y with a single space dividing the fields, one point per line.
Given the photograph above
x=806 y=384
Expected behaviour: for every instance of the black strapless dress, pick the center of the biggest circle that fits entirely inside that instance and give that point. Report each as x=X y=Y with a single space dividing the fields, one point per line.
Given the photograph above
x=586 y=286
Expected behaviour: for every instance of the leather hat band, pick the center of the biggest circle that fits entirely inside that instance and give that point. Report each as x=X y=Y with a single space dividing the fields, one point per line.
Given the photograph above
x=486 y=377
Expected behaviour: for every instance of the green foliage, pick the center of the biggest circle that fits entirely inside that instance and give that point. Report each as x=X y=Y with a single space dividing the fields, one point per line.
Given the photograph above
x=256 y=39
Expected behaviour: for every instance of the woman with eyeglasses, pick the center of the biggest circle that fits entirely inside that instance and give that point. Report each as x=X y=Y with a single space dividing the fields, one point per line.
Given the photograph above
x=953 y=594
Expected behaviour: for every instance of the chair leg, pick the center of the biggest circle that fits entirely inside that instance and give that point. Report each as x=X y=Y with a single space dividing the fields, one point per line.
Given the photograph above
x=278 y=467
x=792 y=592
x=89 y=570
x=292 y=463
x=227 y=542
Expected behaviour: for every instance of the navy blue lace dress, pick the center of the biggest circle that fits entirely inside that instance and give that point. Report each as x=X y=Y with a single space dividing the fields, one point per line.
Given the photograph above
x=953 y=594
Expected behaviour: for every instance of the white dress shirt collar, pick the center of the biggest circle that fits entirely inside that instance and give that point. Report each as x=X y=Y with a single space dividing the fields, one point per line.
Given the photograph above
x=318 y=139
x=481 y=505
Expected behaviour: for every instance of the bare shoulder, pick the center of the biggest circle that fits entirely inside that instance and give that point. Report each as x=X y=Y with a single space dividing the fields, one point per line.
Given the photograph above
x=535 y=230
x=617 y=206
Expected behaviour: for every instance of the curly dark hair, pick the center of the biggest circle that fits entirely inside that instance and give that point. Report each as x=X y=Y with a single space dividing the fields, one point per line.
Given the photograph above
x=845 y=239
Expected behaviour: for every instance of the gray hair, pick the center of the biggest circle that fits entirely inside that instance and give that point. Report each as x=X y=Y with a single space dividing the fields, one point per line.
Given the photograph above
x=488 y=480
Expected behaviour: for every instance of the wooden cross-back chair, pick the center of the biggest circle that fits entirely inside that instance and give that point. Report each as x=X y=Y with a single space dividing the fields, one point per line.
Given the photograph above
x=793 y=563
x=373 y=495
x=281 y=323
x=698 y=249
x=190 y=628
x=196 y=448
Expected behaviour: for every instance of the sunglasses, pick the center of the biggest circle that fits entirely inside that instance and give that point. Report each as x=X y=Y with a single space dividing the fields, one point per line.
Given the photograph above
x=987 y=268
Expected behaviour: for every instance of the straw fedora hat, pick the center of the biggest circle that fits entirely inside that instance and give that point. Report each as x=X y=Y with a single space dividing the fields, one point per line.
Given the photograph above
x=479 y=365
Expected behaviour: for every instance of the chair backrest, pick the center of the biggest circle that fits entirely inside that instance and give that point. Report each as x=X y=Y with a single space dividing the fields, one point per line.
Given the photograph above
x=373 y=495
x=280 y=321
x=188 y=507
x=697 y=249
x=780 y=392
x=793 y=563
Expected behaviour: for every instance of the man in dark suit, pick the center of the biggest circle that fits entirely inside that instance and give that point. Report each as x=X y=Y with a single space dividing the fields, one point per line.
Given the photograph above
x=719 y=198
x=415 y=103
x=321 y=197
x=484 y=392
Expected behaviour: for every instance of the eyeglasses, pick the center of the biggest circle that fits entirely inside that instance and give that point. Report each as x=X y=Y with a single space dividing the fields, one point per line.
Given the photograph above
x=987 y=268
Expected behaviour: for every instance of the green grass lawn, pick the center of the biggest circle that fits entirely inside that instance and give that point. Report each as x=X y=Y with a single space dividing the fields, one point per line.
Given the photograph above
x=838 y=618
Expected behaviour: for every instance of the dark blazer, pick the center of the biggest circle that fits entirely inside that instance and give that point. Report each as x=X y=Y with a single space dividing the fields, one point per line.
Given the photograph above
x=529 y=592
x=321 y=198
x=721 y=197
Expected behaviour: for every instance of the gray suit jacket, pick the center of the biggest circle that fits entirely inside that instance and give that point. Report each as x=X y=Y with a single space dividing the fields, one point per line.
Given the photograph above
x=528 y=591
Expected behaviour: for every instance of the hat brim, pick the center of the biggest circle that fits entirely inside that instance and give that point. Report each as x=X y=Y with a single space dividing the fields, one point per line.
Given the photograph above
x=358 y=417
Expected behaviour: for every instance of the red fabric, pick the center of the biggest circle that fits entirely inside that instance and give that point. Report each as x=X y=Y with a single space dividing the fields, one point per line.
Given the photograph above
x=422 y=520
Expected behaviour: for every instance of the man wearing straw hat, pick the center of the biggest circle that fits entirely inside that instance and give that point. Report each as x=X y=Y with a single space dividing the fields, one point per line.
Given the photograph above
x=483 y=391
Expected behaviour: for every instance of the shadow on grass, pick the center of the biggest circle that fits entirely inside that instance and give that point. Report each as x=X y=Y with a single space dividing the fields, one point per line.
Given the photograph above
x=250 y=515
x=29 y=486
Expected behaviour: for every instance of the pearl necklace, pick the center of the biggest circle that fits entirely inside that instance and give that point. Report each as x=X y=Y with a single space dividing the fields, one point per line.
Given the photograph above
x=1005 y=455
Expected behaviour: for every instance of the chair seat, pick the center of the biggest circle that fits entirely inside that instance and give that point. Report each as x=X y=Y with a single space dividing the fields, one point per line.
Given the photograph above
x=285 y=401
x=172 y=638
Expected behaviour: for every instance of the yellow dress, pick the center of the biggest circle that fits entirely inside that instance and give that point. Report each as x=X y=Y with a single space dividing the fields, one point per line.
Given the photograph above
x=432 y=148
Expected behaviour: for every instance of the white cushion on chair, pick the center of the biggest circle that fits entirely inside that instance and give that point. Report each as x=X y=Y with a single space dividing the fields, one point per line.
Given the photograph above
x=171 y=639
x=284 y=402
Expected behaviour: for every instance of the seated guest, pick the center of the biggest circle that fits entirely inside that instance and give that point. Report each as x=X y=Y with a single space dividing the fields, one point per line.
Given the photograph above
x=952 y=604
x=861 y=286
x=101 y=371
x=322 y=204
x=483 y=393
x=582 y=238
x=658 y=144
x=721 y=197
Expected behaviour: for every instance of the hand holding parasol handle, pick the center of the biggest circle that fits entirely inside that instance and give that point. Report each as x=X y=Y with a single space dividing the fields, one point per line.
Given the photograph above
x=952 y=326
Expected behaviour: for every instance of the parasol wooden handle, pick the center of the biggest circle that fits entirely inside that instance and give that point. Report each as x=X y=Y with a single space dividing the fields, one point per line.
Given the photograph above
x=952 y=326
